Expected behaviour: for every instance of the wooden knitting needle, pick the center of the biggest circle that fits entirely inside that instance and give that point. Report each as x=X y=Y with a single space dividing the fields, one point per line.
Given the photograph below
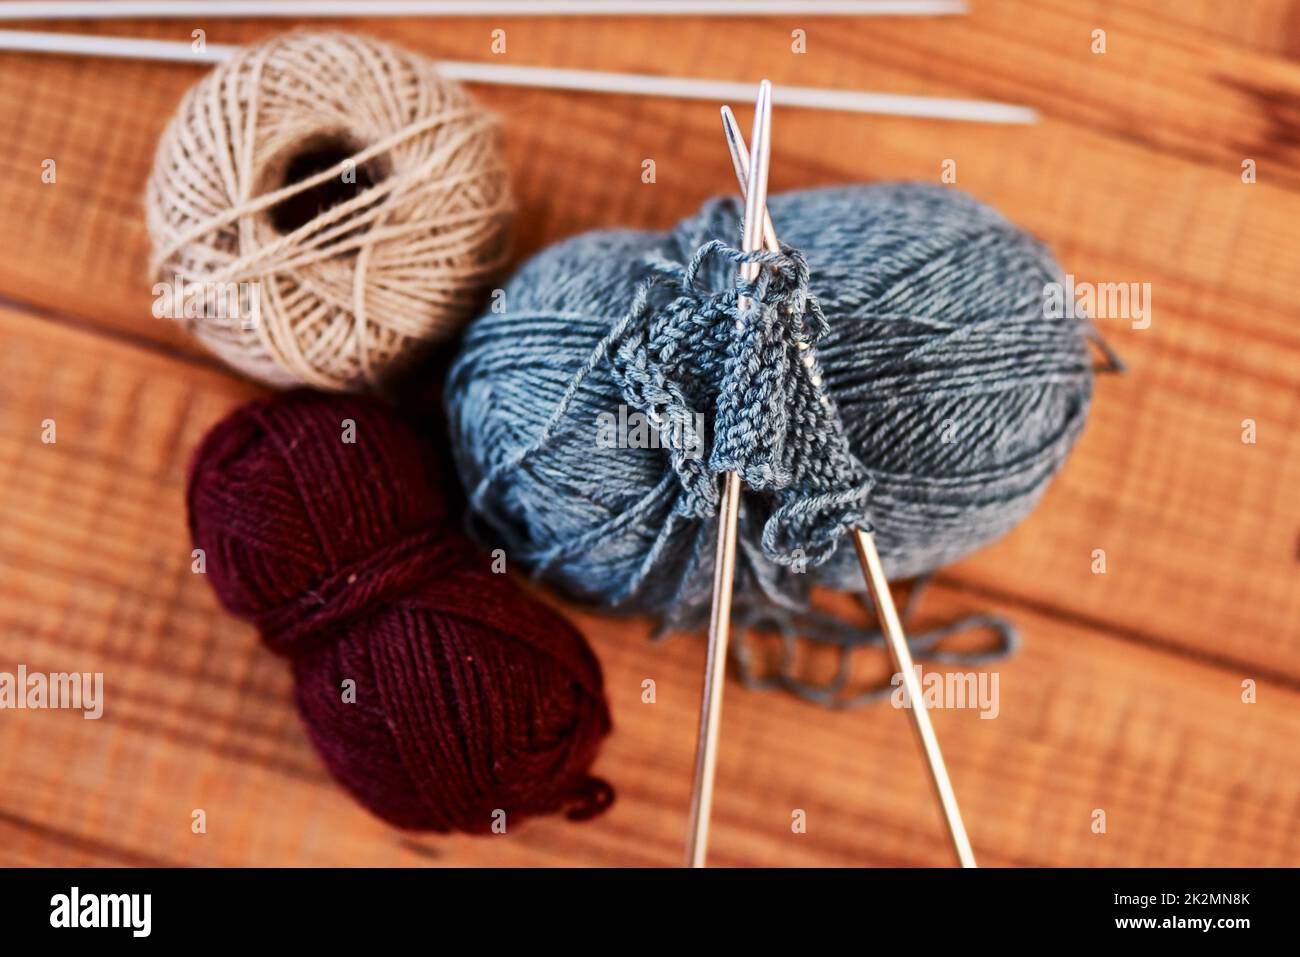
x=874 y=572
x=724 y=563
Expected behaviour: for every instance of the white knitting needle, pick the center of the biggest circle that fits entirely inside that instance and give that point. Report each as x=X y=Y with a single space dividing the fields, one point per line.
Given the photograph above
x=724 y=564
x=874 y=572
x=587 y=81
x=211 y=9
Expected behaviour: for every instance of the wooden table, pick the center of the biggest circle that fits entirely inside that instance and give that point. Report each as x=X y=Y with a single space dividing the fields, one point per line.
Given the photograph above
x=1128 y=694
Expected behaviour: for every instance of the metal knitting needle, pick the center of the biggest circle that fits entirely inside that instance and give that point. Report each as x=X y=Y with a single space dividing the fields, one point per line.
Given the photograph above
x=872 y=568
x=548 y=78
x=724 y=563
x=210 y=9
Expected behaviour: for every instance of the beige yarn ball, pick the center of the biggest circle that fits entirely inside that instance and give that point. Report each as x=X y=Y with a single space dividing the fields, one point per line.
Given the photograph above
x=359 y=197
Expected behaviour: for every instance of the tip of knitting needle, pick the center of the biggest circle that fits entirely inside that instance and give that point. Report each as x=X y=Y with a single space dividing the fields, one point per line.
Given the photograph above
x=760 y=154
x=740 y=163
x=736 y=144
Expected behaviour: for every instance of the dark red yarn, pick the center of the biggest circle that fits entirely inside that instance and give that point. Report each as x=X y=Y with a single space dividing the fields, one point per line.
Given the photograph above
x=470 y=695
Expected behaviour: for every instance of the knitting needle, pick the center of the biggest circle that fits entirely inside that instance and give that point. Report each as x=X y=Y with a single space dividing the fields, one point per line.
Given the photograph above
x=210 y=9
x=724 y=565
x=874 y=572
x=586 y=81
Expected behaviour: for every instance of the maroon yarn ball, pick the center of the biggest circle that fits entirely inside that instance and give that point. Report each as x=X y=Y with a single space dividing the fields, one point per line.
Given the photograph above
x=470 y=696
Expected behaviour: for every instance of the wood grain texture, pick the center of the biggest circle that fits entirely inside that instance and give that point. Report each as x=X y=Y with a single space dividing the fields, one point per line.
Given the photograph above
x=1127 y=696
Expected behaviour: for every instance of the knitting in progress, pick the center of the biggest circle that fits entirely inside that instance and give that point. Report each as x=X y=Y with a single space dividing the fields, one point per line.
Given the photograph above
x=898 y=371
x=442 y=696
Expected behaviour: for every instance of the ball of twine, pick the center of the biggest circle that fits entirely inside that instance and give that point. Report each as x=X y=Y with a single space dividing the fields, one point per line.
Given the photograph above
x=355 y=200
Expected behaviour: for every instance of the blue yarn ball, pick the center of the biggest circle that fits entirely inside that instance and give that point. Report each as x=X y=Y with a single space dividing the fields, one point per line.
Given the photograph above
x=951 y=397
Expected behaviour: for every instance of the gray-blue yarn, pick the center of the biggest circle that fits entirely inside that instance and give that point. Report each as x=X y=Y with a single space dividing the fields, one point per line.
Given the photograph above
x=914 y=311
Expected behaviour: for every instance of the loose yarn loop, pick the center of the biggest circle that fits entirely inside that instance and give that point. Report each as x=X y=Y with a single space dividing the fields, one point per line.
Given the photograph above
x=923 y=391
x=837 y=692
x=469 y=696
x=360 y=195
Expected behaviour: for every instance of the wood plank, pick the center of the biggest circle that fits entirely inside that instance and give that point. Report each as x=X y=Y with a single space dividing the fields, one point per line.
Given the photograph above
x=1134 y=176
x=1171 y=93
x=94 y=575
x=1272 y=26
